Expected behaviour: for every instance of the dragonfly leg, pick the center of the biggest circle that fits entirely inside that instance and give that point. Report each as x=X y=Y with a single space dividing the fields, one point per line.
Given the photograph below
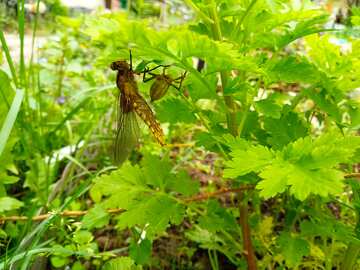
x=179 y=80
x=158 y=66
x=130 y=60
x=153 y=76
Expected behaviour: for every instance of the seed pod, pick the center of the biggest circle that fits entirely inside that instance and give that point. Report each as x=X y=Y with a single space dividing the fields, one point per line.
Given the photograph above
x=160 y=86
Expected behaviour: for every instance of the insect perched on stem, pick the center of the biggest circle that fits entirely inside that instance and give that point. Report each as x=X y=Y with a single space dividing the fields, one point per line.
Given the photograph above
x=162 y=82
x=131 y=103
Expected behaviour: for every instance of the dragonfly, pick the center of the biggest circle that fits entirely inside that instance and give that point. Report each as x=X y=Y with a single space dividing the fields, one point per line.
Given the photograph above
x=162 y=82
x=130 y=105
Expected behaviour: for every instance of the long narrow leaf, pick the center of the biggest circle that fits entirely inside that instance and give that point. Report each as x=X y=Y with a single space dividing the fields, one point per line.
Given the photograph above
x=10 y=119
x=8 y=57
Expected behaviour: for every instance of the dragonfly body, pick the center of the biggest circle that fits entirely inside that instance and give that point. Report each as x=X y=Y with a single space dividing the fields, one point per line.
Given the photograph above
x=131 y=102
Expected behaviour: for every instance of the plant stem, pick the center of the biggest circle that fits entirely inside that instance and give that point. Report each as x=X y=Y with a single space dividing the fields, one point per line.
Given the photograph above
x=353 y=249
x=351 y=256
x=247 y=243
x=229 y=101
x=233 y=129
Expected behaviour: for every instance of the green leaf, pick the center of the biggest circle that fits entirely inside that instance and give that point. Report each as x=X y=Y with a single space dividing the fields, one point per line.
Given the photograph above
x=328 y=227
x=305 y=166
x=284 y=130
x=183 y=183
x=140 y=251
x=268 y=108
x=97 y=217
x=304 y=28
x=217 y=218
x=274 y=179
x=146 y=205
x=8 y=179
x=156 y=170
x=325 y=102
x=293 y=69
x=58 y=262
x=153 y=214
x=8 y=203
x=174 y=110
x=83 y=237
x=246 y=160
x=293 y=248
x=196 y=87
x=121 y=263
x=10 y=119
x=127 y=181
x=6 y=93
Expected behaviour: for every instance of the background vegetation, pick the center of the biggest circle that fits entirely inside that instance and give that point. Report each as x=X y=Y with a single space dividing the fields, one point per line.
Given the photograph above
x=260 y=167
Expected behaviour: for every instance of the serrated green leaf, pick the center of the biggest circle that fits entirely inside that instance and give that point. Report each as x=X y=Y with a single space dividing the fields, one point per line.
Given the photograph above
x=156 y=171
x=174 y=110
x=217 y=218
x=284 y=130
x=153 y=214
x=328 y=227
x=268 y=108
x=97 y=217
x=293 y=69
x=127 y=181
x=275 y=179
x=183 y=183
x=293 y=248
x=244 y=161
x=305 y=166
x=198 y=91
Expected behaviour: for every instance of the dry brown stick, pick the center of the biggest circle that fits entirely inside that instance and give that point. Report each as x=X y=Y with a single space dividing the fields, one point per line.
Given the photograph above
x=62 y=214
x=353 y=175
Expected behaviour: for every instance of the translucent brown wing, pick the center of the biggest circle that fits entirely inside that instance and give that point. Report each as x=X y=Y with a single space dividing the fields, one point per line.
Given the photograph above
x=145 y=113
x=127 y=134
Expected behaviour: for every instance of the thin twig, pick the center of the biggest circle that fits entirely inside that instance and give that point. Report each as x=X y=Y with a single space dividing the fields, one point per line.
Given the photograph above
x=62 y=214
x=220 y=192
x=353 y=175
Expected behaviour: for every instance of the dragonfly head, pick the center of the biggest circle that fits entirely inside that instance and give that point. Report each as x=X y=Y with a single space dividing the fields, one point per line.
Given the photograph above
x=121 y=66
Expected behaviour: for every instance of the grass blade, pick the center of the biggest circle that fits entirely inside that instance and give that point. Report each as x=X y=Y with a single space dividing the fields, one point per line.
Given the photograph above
x=10 y=119
x=8 y=58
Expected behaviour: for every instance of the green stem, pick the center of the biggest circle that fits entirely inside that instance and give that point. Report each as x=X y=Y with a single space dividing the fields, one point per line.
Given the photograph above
x=353 y=249
x=351 y=256
x=229 y=101
x=233 y=129
x=198 y=11
x=240 y=22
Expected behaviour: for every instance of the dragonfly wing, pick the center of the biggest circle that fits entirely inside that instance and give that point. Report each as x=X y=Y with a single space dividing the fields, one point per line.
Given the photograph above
x=127 y=136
